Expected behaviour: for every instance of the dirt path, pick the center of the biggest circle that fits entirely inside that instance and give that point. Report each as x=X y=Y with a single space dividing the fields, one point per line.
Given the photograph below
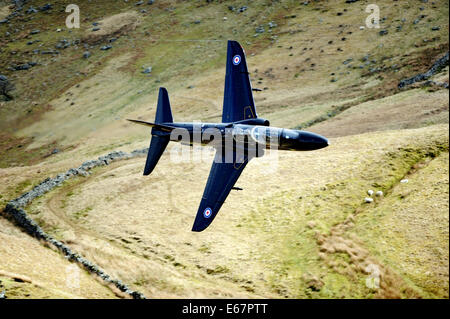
x=55 y=202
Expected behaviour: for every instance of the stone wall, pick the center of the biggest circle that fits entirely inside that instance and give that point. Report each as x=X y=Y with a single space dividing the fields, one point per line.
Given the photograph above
x=14 y=210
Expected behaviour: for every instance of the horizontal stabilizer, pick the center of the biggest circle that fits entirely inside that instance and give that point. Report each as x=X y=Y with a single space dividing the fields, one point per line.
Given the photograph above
x=162 y=127
x=157 y=146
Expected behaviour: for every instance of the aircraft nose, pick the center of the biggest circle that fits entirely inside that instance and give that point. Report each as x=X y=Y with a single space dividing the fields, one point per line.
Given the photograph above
x=313 y=141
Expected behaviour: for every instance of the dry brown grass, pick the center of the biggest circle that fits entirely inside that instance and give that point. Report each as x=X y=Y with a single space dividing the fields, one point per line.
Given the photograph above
x=39 y=271
x=4 y=11
x=408 y=109
x=116 y=25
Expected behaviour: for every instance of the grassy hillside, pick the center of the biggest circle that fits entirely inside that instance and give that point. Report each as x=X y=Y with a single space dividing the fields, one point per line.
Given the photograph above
x=285 y=226
x=301 y=230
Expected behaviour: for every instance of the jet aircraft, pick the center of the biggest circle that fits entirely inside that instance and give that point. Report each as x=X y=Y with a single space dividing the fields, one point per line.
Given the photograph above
x=248 y=133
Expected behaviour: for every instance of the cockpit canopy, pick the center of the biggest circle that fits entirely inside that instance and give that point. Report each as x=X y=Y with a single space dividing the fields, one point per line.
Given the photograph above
x=258 y=134
x=290 y=134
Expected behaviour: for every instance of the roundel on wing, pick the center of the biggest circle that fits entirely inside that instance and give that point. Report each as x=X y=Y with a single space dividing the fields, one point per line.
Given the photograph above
x=236 y=59
x=207 y=212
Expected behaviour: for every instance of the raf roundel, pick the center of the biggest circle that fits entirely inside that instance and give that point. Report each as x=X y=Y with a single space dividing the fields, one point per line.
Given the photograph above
x=236 y=59
x=207 y=212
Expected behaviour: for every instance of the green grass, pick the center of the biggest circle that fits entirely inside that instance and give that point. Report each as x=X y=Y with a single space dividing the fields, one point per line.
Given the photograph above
x=82 y=213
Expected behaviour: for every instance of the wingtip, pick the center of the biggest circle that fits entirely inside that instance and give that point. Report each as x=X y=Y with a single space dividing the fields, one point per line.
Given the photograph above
x=196 y=228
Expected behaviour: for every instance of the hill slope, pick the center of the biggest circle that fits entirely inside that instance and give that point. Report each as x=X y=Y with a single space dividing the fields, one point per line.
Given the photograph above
x=301 y=230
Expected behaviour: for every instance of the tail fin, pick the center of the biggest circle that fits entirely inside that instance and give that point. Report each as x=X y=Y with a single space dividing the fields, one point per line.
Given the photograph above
x=163 y=111
x=159 y=142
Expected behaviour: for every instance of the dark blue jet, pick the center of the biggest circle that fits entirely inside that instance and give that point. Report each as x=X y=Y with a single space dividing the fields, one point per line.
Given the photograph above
x=249 y=136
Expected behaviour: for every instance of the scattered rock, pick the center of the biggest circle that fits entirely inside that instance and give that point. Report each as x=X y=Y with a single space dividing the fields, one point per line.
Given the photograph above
x=379 y=193
x=259 y=29
x=242 y=9
x=313 y=282
x=23 y=67
x=86 y=54
x=403 y=181
x=147 y=70
x=50 y=52
x=311 y=224
x=368 y=200
x=347 y=61
x=106 y=47
x=370 y=192
x=62 y=44
x=46 y=7
x=6 y=87
x=383 y=32
x=31 y=10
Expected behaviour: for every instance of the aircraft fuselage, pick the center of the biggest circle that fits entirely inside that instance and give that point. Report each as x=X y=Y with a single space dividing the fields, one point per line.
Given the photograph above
x=248 y=134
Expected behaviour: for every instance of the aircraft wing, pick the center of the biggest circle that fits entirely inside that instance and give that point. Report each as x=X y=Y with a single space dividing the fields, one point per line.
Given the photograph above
x=222 y=178
x=238 y=101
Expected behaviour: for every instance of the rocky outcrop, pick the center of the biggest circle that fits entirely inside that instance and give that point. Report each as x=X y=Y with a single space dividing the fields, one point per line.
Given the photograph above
x=14 y=211
x=437 y=66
